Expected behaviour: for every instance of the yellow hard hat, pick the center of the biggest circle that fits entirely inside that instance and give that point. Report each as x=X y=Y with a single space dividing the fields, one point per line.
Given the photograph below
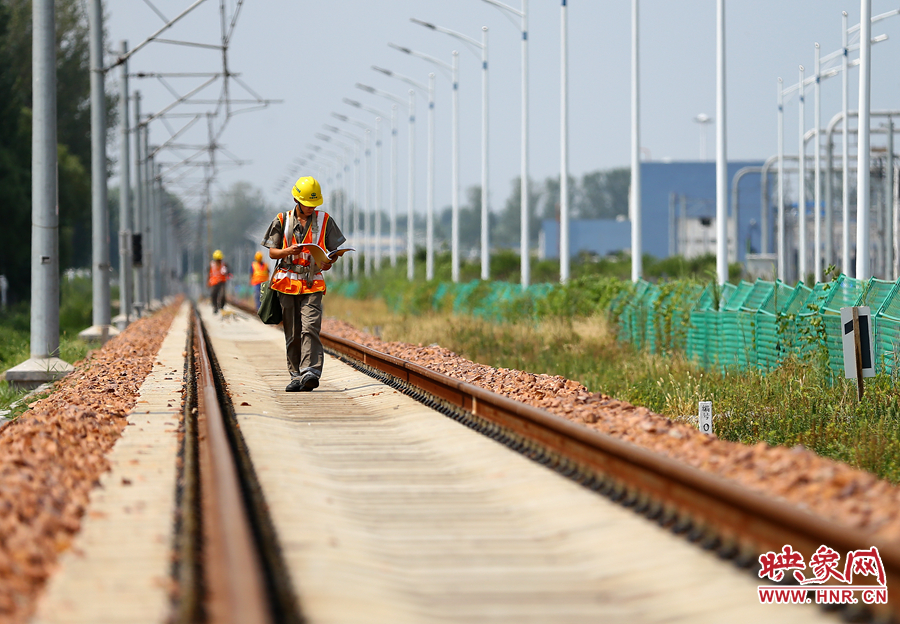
x=258 y=256
x=307 y=191
x=217 y=254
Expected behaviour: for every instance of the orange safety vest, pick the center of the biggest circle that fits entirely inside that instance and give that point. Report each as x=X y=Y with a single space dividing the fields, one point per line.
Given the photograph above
x=302 y=276
x=217 y=275
x=260 y=273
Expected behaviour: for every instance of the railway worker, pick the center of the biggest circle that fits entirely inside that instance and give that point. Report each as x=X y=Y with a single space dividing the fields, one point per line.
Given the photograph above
x=218 y=277
x=259 y=274
x=299 y=282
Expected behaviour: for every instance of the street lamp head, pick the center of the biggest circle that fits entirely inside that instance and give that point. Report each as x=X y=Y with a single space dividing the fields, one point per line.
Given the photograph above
x=323 y=137
x=352 y=103
x=314 y=147
x=339 y=116
x=334 y=129
x=484 y=28
x=421 y=23
x=401 y=48
x=703 y=118
x=365 y=88
x=384 y=71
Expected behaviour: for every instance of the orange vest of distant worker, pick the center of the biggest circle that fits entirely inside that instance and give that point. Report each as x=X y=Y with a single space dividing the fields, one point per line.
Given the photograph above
x=217 y=274
x=303 y=277
x=260 y=273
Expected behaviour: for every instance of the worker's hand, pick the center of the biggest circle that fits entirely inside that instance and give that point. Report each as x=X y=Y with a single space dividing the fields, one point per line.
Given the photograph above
x=293 y=250
x=327 y=266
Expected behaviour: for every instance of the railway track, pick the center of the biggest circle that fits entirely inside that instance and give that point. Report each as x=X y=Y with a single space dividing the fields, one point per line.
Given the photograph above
x=716 y=514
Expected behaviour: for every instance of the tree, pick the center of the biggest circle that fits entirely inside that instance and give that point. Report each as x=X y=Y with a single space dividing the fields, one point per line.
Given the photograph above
x=604 y=194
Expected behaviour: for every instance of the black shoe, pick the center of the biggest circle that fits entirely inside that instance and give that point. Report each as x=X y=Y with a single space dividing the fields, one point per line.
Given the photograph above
x=295 y=386
x=310 y=382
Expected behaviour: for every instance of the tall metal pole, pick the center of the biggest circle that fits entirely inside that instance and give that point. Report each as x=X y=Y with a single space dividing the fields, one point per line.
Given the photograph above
x=99 y=206
x=564 y=149
x=782 y=270
x=149 y=256
x=429 y=217
x=801 y=182
x=354 y=216
x=889 y=202
x=863 y=267
x=721 y=151
x=525 y=259
x=454 y=208
x=485 y=213
x=44 y=196
x=845 y=150
x=126 y=277
x=376 y=230
x=817 y=163
x=411 y=190
x=393 y=252
x=139 y=213
x=635 y=197
x=367 y=206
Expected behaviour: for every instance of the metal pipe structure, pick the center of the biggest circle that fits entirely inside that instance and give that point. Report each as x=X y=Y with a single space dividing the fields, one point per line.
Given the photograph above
x=564 y=148
x=454 y=186
x=394 y=170
x=354 y=208
x=126 y=277
x=721 y=149
x=863 y=266
x=801 y=184
x=524 y=258
x=44 y=193
x=637 y=269
x=346 y=205
x=890 y=256
x=368 y=207
x=148 y=216
x=140 y=244
x=100 y=267
x=411 y=190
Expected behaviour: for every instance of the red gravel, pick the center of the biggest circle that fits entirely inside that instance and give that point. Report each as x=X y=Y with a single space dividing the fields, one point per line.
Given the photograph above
x=53 y=455
x=825 y=487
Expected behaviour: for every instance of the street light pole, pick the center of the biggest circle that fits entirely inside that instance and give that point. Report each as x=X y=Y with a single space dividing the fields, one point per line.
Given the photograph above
x=564 y=149
x=863 y=268
x=801 y=181
x=524 y=258
x=485 y=221
x=139 y=216
x=635 y=197
x=781 y=235
x=721 y=150
x=817 y=163
x=845 y=148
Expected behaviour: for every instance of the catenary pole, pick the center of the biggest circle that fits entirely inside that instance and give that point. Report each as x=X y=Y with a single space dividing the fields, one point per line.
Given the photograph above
x=454 y=196
x=635 y=196
x=148 y=215
x=367 y=205
x=721 y=150
x=429 y=217
x=375 y=214
x=411 y=190
x=564 y=149
x=126 y=277
x=99 y=206
x=394 y=190
x=139 y=214
x=44 y=198
x=863 y=267
x=485 y=205
x=525 y=259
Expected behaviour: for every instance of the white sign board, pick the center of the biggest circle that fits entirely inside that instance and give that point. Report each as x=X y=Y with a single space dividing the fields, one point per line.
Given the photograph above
x=866 y=342
x=706 y=417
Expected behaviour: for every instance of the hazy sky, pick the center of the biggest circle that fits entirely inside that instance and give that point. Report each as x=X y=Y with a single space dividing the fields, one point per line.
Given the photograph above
x=311 y=53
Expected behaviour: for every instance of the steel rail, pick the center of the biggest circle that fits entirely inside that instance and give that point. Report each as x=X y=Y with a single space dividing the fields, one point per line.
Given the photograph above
x=736 y=522
x=233 y=569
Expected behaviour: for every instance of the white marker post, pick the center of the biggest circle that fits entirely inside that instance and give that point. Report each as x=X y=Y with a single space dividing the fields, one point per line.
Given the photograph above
x=859 y=345
x=706 y=417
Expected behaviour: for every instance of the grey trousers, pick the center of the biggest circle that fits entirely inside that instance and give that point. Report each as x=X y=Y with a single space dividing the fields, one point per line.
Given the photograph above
x=302 y=318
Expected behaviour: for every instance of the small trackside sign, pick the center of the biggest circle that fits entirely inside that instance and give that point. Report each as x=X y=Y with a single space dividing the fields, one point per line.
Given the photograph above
x=705 y=418
x=866 y=341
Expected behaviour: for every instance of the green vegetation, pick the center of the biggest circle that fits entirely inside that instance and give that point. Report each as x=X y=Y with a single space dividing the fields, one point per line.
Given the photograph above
x=74 y=315
x=569 y=331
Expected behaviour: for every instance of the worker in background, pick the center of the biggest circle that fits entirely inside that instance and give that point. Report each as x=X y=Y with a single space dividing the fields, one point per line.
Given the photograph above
x=218 y=277
x=299 y=281
x=259 y=275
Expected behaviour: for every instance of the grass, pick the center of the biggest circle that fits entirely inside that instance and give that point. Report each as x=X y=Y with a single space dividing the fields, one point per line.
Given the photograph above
x=74 y=315
x=798 y=403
